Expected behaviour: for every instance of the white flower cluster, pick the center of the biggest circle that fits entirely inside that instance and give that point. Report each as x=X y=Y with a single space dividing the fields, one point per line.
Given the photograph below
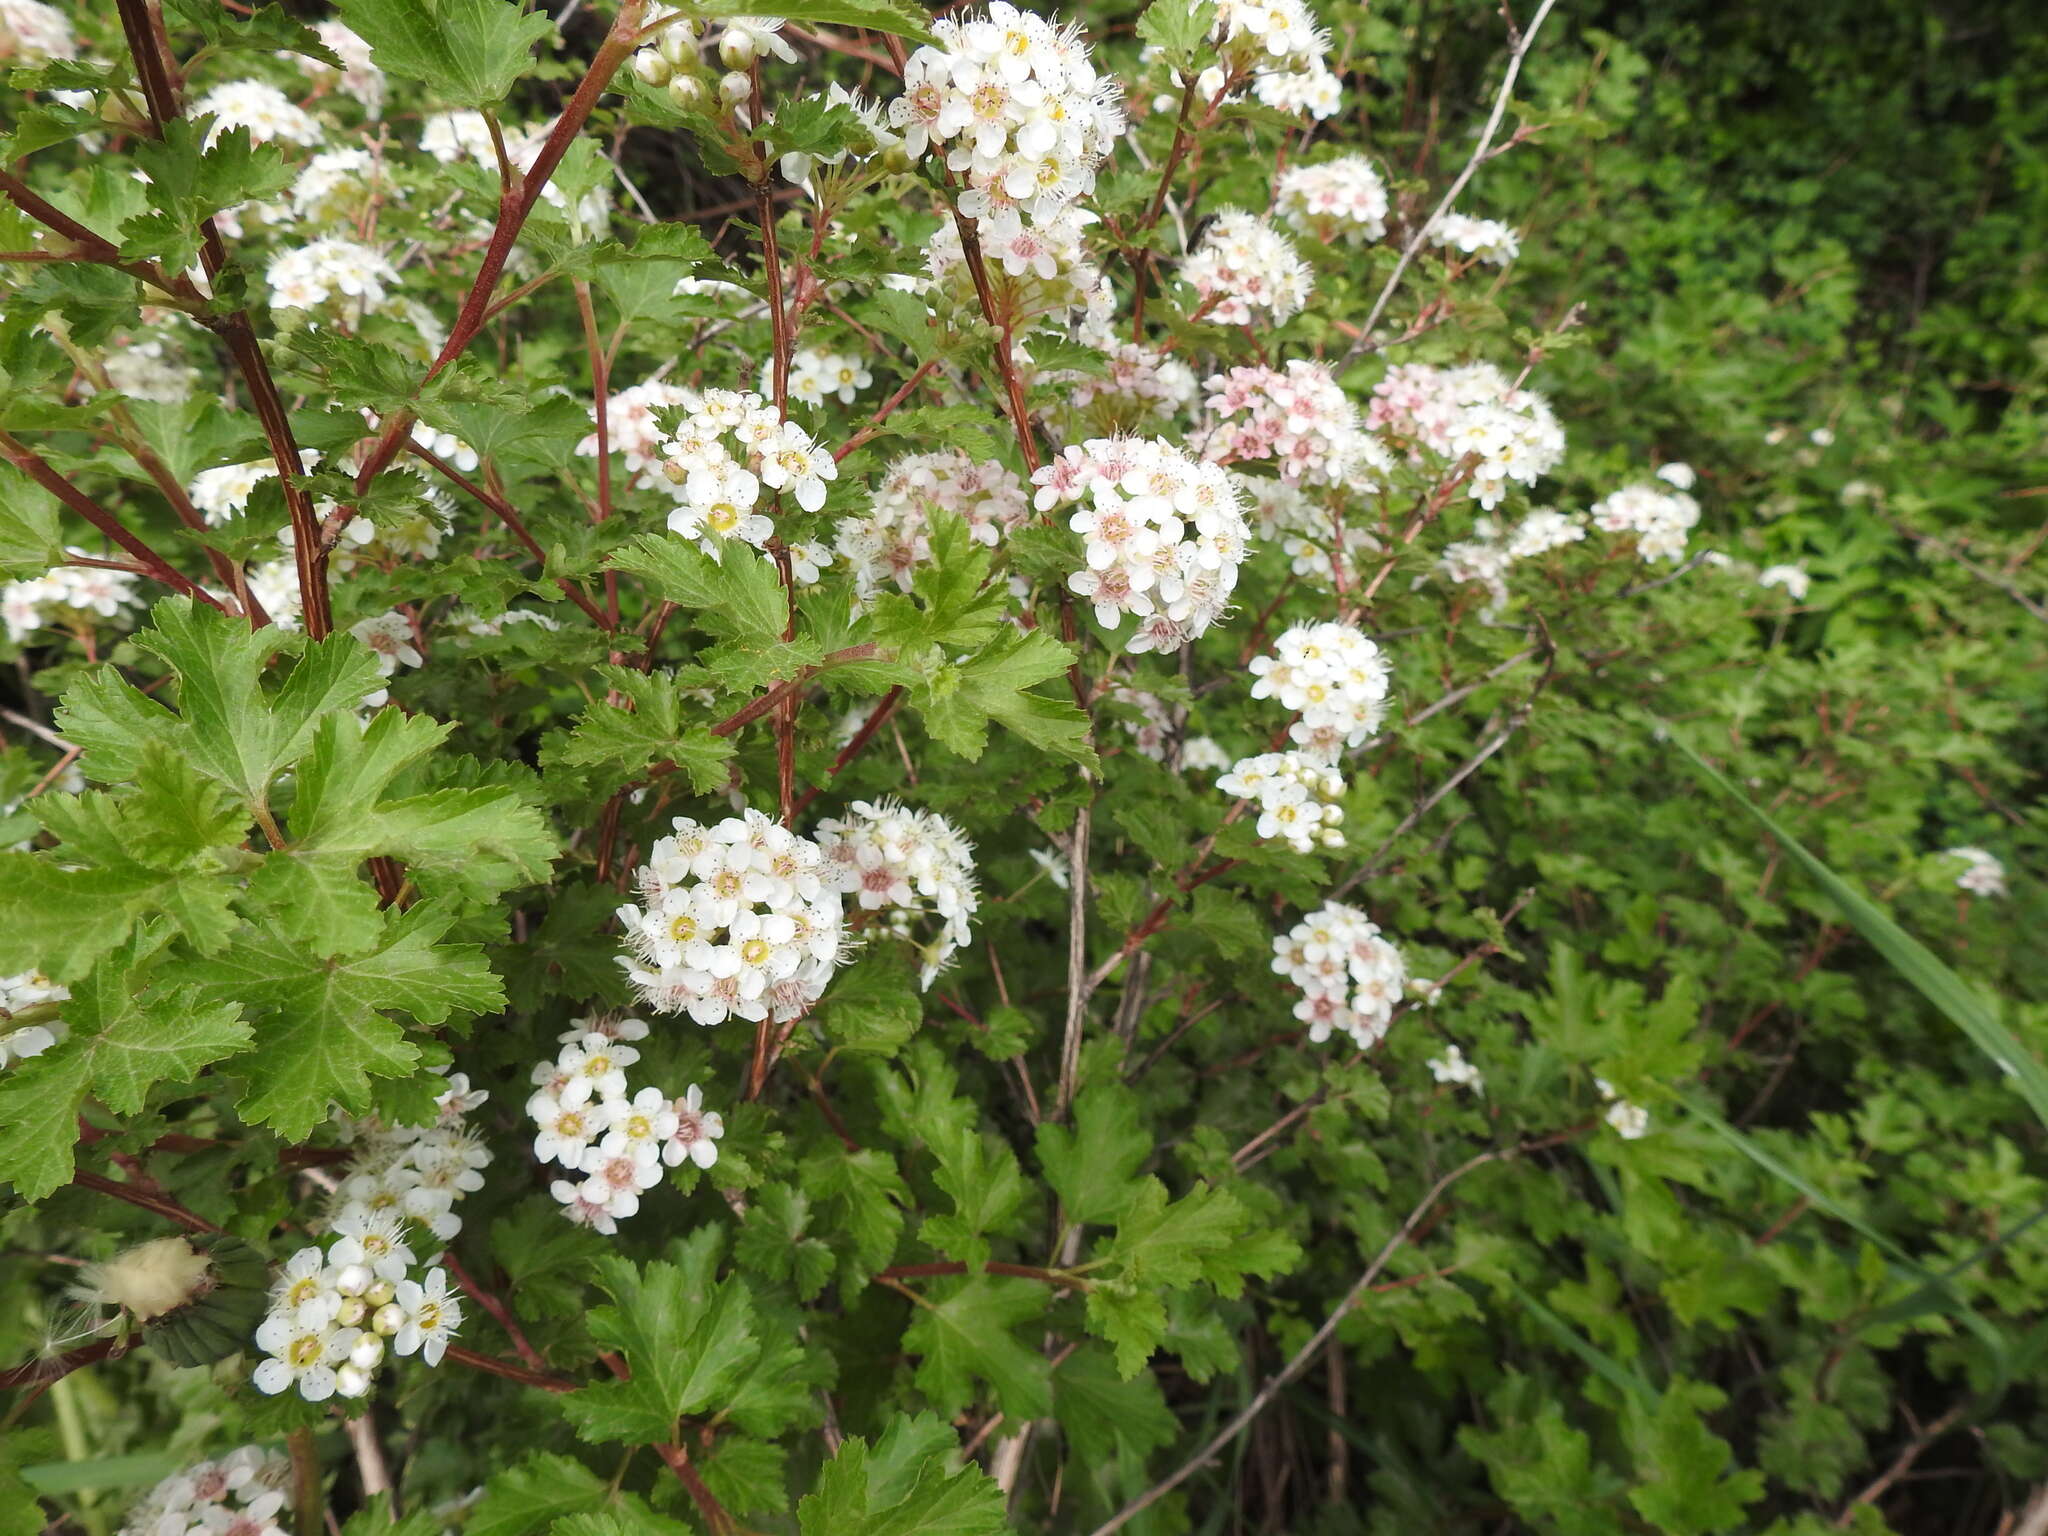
x=147 y=370
x=1983 y=874
x=1279 y=44
x=1149 y=723
x=1484 y=558
x=259 y=107
x=1659 y=518
x=1475 y=410
x=1165 y=534
x=817 y=375
x=452 y=136
x=1203 y=754
x=1334 y=200
x=1307 y=529
x=1300 y=420
x=886 y=544
x=1794 y=579
x=356 y=277
x=738 y=919
x=1351 y=976
x=1045 y=265
x=1630 y=1121
x=336 y=185
x=34 y=33
x=419 y=1171
x=65 y=594
x=630 y=425
x=358 y=77
x=595 y=1125
x=1296 y=796
x=18 y=994
x=1486 y=240
x=335 y=1313
x=915 y=863
x=1453 y=1068
x=223 y=493
x=241 y=1494
x=1334 y=677
x=1246 y=269
x=717 y=487
x=1140 y=381
x=1019 y=104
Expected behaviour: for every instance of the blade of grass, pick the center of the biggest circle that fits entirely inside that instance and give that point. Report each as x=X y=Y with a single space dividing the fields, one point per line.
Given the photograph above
x=1906 y=954
x=1627 y=1380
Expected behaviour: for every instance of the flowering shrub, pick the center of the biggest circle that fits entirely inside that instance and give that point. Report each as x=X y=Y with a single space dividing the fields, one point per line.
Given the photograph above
x=850 y=771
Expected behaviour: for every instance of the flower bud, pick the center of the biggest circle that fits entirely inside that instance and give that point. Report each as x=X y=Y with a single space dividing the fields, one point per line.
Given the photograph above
x=678 y=44
x=351 y=1312
x=380 y=1294
x=735 y=88
x=651 y=67
x=351 y=1381
x=687 y=92
x=736 y=49
x=367 y=1353
x=389 y=1319
x=895 y=158
x=353 y=1279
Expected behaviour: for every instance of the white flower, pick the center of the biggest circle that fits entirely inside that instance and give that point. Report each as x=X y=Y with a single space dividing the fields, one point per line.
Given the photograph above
x=1452 y=1067
x=1630 y=1121
x=301 y=1355
x=430 y=1316
x=595 y=1068
x=885 y=545
x=638 y=1126
x=21 y=1044
x=1659 y=519
x=565 y=1128
x=34 y=33
x=356 y=277
x=1301 y=421
x=390 y=636
x=304 y=1289
x=696 y=1131
x=1793 y=578
x=1018 y=104
x=1486 y=240
x=373 y=1239
x=1335 y=677
x=1983 y=874
x=1679 y=476
x=1296 y=796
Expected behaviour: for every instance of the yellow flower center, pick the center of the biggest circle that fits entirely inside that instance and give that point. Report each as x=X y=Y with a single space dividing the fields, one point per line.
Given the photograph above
x=754 y=951
x=306 y=1350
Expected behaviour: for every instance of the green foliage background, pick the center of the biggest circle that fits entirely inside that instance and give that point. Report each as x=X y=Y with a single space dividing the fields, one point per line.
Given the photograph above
x=1821 y=217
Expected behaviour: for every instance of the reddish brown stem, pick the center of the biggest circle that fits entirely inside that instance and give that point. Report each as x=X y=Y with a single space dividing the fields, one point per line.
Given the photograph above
x=161 y=1205
x=500 y=1313
x=30 y=463
x=617 y=47
x=511 y=519
x=600 y=389
x=41 y=1372
x=547 y=1381
x=855 y=747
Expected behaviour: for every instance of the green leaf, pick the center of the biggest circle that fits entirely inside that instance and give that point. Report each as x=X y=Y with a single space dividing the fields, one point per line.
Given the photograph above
x=626 y=742
x=323 y=1032
x=530 y=1494
x=124 y=1036
x=740 y=591
x=227 y=723
x=190 y=181
x=911 y=1483
x=956 y=606
x=686 y=1341
x=872 y=1007
x=959 y=700
x=469 y=52
x=1094 y=1167
x=963 y=1331
x=1906 y=955
x=469 y=843
x=29 y=541
x=1177 y=27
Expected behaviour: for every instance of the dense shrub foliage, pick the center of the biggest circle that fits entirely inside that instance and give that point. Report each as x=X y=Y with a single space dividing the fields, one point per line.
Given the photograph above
x=1159 y=768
